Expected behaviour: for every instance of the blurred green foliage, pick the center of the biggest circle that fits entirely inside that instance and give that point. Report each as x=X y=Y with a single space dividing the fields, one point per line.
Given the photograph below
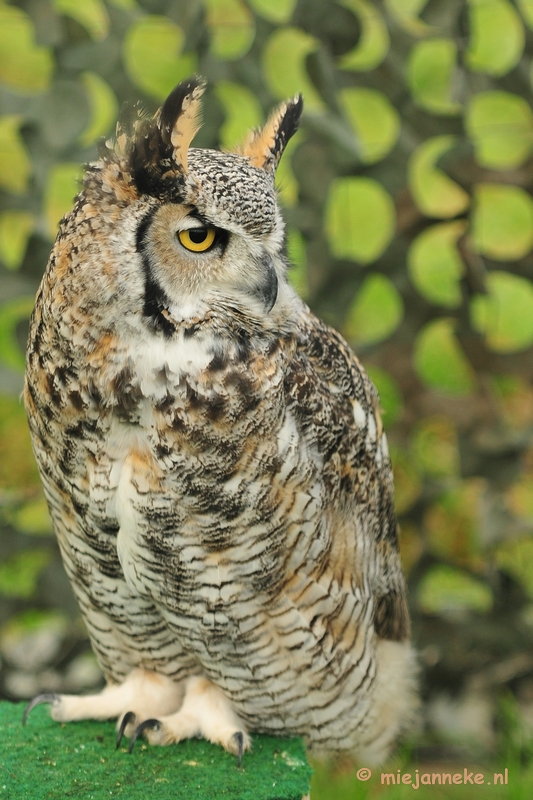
x=407 y=195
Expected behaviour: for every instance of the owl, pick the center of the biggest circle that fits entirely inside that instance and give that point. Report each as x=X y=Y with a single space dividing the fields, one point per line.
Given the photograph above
x=213 y=458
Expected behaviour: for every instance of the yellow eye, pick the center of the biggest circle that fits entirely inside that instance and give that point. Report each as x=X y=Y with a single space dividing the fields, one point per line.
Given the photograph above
x=197 y=239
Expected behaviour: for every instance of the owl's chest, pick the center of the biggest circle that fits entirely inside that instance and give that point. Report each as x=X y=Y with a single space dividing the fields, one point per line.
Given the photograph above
x=203 y=541
x=211 y=486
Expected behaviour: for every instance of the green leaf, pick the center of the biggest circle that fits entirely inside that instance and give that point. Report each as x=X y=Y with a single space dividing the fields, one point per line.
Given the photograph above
x=440 y=361
x=32 y=620
x=18 y=470
x=19 y=574
x=444 y=589
x=376 y=311
x=153 y=58
x=390 y=396
x=104 y=108
x=232 y=28
x=284 y=57
x=62 y=187
x=526 y=8
x=497 y=37
x=33 y=518
x=505 y=314
x=277 y=11
x=286 y=183
x=434 y=264
x=15 y=167
x=500 y=125
x=407 y=479
x=430 y=74
x=435 y=194
x=24 y=66
x=63 y=113
x=375 y=122
x=126 y=5
x=519 y=496
x=516 y=558
x=242 y=110
x=11 y=313
x=374 y=42
x=297 y=255
x=16 y=228
x=452 y=523
x=360 y=219
x=514 y=400
x=406 y=14
x=412 y=546
x=502 y=221
x=434 y=443
x=91 y=15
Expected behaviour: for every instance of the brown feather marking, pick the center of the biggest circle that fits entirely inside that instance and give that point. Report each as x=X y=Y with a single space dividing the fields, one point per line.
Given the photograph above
x=265 y=146
x=187 y=125
x=259 y=143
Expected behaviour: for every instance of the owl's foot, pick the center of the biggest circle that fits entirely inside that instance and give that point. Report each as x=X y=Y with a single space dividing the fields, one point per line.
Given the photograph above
x=205 y=712
x=144 y=693
x=237 y=740
x=158 y=707
x=39 y=699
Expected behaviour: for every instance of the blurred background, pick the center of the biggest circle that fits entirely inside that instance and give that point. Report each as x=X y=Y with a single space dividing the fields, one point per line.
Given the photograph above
x=407 y=196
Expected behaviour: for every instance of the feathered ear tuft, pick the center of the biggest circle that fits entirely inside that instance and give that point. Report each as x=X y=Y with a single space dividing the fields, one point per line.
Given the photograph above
x=265 y=147
x=179 y=118
x=159 y=146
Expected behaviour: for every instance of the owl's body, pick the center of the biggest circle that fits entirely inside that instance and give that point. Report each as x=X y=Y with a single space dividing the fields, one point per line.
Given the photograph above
x=213 y=456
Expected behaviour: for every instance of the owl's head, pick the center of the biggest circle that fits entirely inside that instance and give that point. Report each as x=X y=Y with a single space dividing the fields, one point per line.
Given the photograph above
x=208 y=227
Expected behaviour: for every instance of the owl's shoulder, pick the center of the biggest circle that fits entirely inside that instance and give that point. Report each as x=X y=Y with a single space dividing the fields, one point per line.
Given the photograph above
x=327 y=382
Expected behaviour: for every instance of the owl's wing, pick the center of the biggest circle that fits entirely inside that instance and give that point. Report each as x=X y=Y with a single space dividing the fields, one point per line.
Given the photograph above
x=337 y=409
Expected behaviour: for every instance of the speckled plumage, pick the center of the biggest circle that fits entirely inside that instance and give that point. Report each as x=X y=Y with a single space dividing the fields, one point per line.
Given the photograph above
x=213 y=455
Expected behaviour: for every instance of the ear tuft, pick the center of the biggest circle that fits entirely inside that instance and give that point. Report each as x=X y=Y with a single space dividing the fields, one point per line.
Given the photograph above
x=179 y=118
x=265 y=147
x=157 y=147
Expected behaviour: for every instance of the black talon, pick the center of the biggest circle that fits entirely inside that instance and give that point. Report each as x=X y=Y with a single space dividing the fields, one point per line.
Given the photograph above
x=126 y=719
x=44 y=697
x=154 y=724
x=239 y=738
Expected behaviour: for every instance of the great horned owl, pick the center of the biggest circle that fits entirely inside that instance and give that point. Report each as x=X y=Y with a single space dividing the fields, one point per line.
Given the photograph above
x=213 y=458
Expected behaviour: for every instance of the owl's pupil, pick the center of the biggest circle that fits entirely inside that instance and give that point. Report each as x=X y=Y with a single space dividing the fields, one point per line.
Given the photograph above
x=198 y=235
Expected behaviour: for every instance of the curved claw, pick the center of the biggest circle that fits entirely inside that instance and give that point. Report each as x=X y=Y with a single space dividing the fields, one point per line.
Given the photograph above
x=126 y=719
x=44 y=697
x=154 y=724
x=239 y=738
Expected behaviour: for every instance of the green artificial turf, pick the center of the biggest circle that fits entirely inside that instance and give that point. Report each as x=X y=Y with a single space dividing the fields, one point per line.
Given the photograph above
x=47 y=759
